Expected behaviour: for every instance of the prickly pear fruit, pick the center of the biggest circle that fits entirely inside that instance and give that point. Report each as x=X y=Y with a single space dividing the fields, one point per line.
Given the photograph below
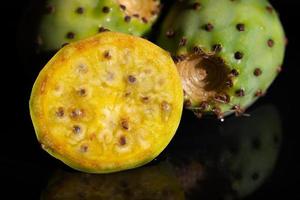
x=227 y=52
x=107 y=103
x=71 y=20
x=151 y=182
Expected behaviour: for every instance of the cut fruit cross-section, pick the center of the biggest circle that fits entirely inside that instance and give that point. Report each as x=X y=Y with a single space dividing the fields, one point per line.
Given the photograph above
x=107 y=103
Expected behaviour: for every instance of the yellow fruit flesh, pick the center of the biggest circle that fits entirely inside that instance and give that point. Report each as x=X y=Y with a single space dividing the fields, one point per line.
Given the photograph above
x=107 y=103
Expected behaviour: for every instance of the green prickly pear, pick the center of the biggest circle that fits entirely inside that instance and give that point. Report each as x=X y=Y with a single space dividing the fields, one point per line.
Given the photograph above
x=227 y=52
x=71 y=20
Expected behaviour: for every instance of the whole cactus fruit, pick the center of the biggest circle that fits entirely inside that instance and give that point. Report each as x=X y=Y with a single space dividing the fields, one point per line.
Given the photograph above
x=107 y=103
x=227 y=52
x=70 y=20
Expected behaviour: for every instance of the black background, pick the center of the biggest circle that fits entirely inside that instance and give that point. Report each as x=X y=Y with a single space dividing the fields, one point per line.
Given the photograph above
x=24 y=167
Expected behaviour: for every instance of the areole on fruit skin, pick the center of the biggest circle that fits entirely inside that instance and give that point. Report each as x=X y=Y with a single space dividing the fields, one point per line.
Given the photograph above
x=67 y=21
x=243 y=41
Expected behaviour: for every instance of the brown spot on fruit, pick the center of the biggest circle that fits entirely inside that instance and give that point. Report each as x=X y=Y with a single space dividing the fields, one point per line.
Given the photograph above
x=84 y=148
x=122 y=140
x=259 y=93
x=145 y=99
x=136 y=15
x=125 y=124
x=131 y=79
x=102 y=29
x=222 y=98
x=229 y=83
x=234 y=73
x=217 y=48
x=154 y=12
x=82 y=92
x=144 y=20
x=107 y=55
x=80 y=10
x=269 y=9
x=178 y=58
x=238 y=55
x=240 y=93
x=77 y=113
x=257 y=72
x=170 y=33
x=76 y=129
x=123 y=7
x=238 y=110
x=60 y=112
x=218 y=113
x=182 y=41
x=197 y=50
x=240 y=27
x=127 y=94
x=270 y=43
x=208 y=27
x=70 y=35
x=203 y=106
x=127 y=18
x=105 y=9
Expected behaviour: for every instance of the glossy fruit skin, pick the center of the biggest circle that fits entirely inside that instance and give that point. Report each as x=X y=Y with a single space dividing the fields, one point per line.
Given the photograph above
x=248 y=37
x=71 y=20
x=105 y=129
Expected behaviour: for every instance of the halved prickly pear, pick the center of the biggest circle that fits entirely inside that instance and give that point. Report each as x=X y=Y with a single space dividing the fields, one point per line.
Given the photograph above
x=71 y=20
x=228 y=52
x=107 y=103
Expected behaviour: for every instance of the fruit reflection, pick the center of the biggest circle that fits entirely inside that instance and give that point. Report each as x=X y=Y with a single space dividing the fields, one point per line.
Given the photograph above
x=147 y=183
x=230 y=160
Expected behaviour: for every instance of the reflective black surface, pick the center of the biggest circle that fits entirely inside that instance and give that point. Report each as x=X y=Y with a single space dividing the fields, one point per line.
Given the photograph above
x=252 y=157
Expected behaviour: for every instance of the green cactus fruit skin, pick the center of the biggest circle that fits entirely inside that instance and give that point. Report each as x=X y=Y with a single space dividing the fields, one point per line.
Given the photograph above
x=71 y=20
x=244 y=39
x=149 y=182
